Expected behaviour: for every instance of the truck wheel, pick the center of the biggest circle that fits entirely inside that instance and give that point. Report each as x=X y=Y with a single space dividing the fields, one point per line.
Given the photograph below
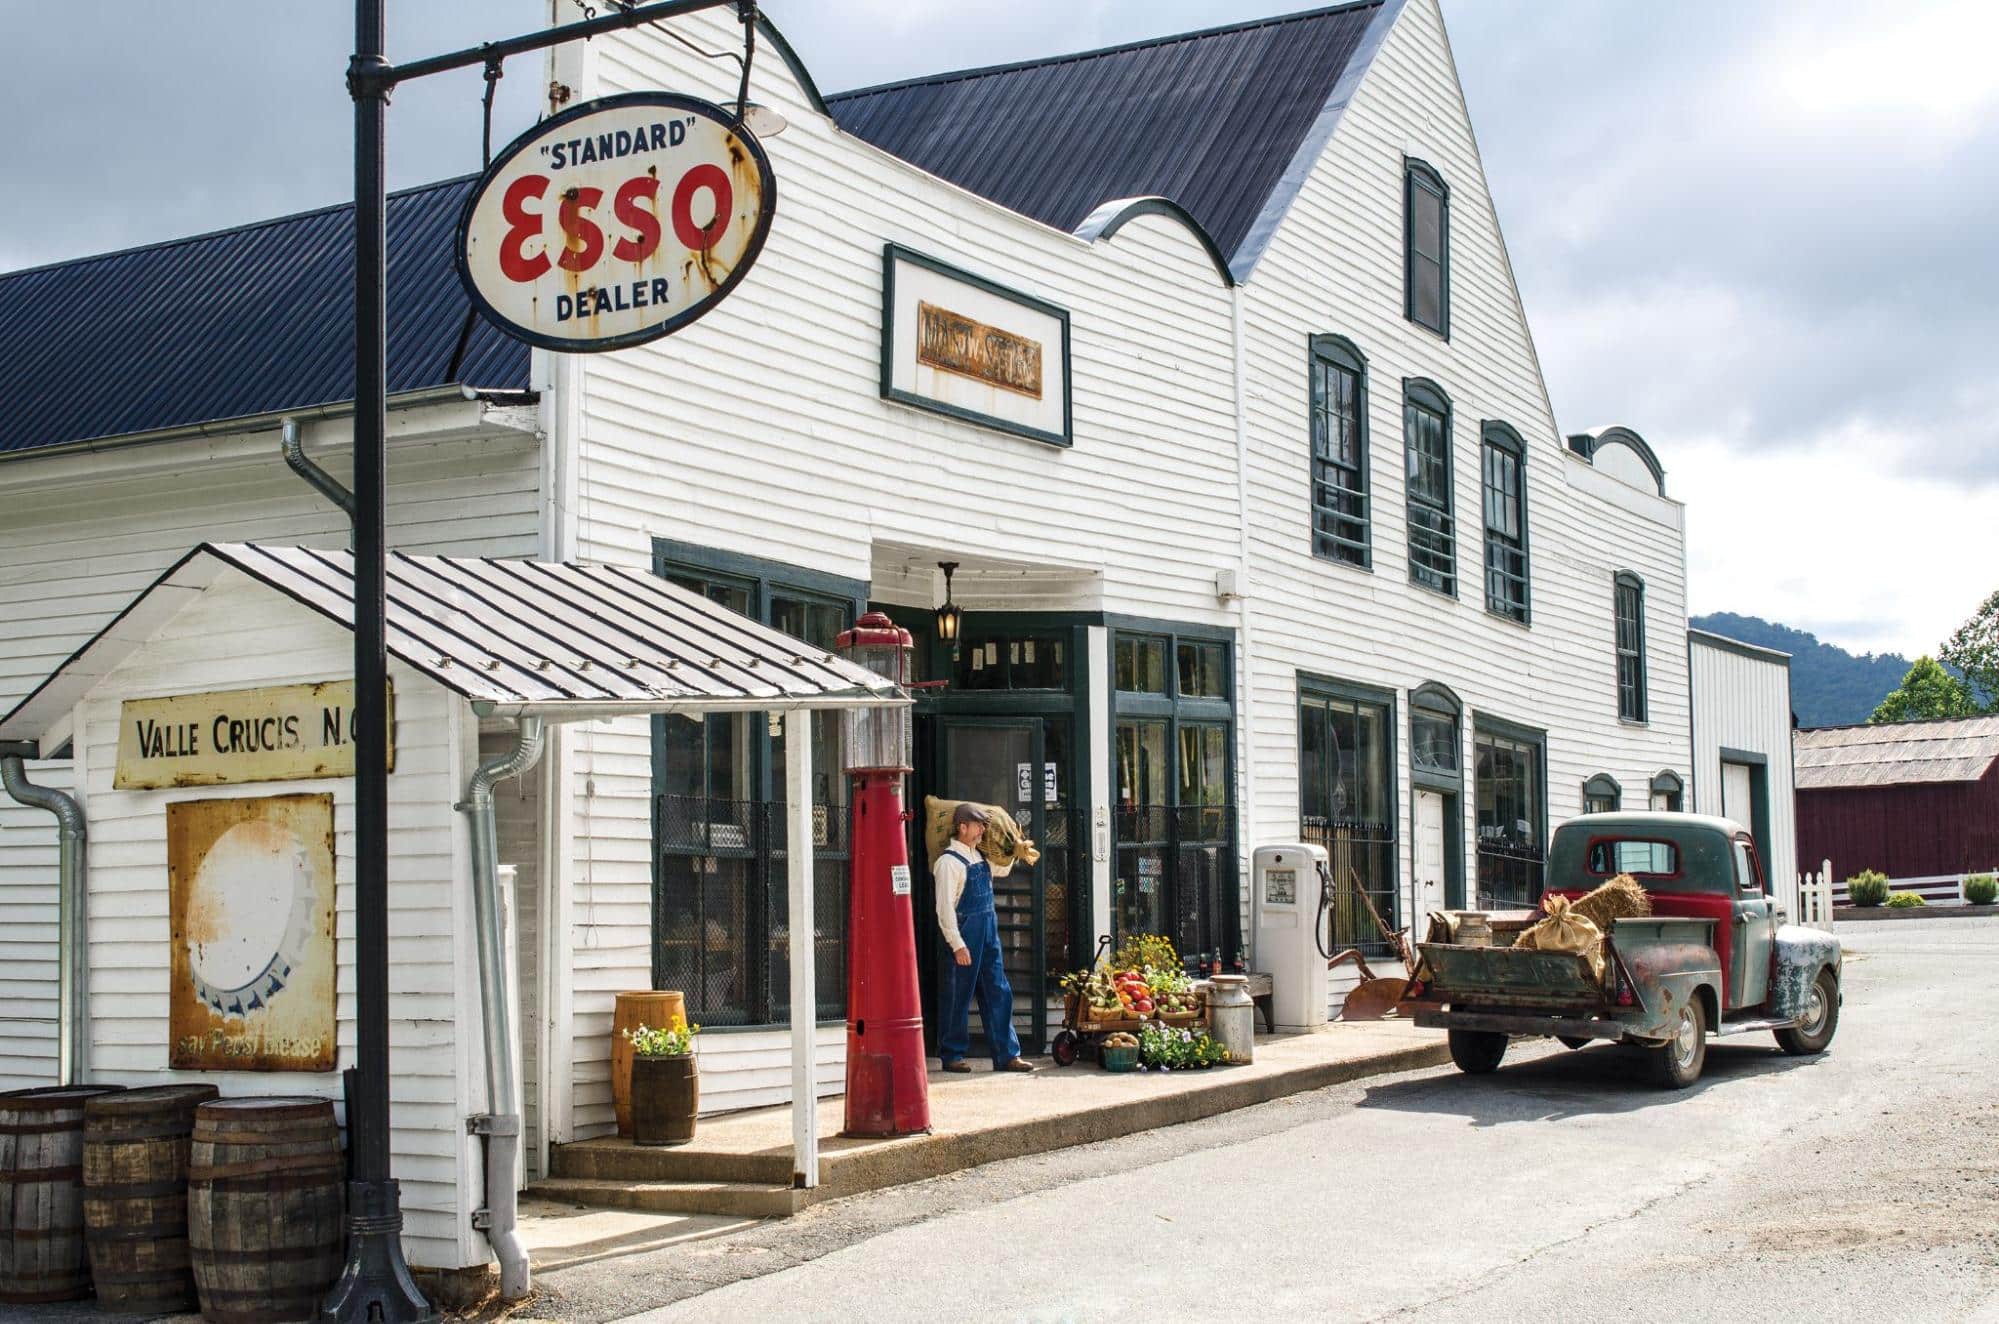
x=1477 y=1052
x=1572 y=1041
x=1677 y=1063
x=1814 y=1029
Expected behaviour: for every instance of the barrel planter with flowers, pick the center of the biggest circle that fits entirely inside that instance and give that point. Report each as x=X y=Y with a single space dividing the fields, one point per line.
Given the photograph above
x=666 y=1083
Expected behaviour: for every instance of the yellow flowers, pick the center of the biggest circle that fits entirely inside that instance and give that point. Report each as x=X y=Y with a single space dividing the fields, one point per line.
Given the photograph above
x=676 y=1041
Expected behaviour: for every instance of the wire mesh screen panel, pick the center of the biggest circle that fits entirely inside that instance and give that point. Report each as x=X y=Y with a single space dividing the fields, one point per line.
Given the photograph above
x=1362 y=857
x=831 y=863
x=720 y=908
x=1509 y=876
x=1176 y=875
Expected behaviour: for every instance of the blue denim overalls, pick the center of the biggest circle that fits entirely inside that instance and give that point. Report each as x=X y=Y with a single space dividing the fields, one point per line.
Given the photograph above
x=978 y=929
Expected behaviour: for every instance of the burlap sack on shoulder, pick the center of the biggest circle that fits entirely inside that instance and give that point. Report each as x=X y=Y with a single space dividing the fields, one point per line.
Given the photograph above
x=1004 y=843
x=1565 y=931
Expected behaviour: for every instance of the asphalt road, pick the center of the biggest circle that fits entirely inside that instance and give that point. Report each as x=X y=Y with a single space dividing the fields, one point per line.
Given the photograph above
x=1861 y=1185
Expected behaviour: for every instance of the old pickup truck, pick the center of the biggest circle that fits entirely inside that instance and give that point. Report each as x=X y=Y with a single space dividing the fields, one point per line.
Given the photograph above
x=1715 y=957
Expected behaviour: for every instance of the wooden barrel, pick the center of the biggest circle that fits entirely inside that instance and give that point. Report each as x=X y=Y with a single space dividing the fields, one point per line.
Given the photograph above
x=652 y=1007
x=135 y=1148
x=265 y=1187
x=41 y=1193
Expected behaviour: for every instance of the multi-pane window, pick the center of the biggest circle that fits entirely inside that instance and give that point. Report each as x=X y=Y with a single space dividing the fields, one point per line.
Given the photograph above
x=1666 y=791
x=1427 y=231
x=1505 y=522
x=1346 y=784
x=1175 y=857
x=1602 y=795
x=1630 y=648
x=1511 y=813
x=1426 y=437
x=1339 y=451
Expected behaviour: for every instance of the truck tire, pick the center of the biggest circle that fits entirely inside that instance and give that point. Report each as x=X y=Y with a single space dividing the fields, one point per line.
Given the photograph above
x=1677 y=1063
x=1815 y=1028
x=1477 y=1052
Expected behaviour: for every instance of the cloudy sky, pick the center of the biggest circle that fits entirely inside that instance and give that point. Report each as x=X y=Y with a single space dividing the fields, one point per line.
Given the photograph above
x=1759 y=234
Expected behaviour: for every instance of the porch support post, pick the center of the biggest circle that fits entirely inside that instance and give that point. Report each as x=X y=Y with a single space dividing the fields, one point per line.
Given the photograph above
x=804 y=980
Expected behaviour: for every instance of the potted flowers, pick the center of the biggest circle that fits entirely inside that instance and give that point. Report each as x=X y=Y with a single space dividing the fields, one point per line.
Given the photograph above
x=666 y=1084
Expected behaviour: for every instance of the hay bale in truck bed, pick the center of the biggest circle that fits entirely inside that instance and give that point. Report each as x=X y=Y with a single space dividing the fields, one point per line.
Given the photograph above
x=1620 y=898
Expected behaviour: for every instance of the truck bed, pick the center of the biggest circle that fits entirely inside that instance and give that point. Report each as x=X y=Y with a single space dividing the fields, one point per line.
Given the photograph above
x=1509 y=976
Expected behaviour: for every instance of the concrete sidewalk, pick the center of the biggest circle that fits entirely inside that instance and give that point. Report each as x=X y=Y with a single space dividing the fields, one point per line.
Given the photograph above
x=739 y=1164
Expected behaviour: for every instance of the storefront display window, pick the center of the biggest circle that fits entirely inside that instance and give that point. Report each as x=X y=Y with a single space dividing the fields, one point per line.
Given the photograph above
x=1175 y=854
x=1141 y=664
x=1512 y=815
x=990 y=661
x=1346 y=762
x=720 y=906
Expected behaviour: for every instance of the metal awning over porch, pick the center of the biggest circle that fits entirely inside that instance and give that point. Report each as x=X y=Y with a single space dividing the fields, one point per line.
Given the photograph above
x=515 y=638
x=542 y=643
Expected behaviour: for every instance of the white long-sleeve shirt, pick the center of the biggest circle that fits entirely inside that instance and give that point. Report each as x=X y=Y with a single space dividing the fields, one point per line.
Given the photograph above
x=949 y=871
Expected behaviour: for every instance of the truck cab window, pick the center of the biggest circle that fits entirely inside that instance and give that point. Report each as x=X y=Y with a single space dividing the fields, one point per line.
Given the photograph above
x=1747 y=879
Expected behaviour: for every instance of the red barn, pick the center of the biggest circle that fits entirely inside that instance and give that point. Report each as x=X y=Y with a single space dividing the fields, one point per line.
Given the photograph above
x=1918 y=801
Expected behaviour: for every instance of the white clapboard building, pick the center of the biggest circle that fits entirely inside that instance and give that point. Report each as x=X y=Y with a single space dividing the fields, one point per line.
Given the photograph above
x=1264 y=530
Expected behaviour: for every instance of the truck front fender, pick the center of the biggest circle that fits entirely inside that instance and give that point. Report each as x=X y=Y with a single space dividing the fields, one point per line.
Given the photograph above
x=1665 y=976
x=1796 y=957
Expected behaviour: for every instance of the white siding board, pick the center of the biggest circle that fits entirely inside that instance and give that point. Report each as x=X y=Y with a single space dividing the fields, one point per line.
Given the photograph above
x=1335 y=265
x=1745 y=703
x=786 y=375
x=432 y=975
x=78 y=544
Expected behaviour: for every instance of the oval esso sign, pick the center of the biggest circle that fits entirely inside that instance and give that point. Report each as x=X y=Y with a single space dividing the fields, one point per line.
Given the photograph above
x=616 y=222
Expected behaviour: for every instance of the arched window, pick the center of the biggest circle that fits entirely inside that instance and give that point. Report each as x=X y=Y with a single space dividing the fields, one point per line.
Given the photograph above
x=1668 y=791
x=1602 y=795
x=1426 y=442
x=1630 y=608
x=1505 y=456
x=1427 y=247
x=1339 y=452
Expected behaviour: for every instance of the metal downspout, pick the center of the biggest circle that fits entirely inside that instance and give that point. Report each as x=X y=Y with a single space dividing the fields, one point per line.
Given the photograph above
x=1246 y=825
x=292 y=443
x=72 y=958
x=501 y=1124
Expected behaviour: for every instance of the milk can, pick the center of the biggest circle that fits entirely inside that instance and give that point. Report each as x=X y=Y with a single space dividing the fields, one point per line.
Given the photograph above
x=1232 y=1016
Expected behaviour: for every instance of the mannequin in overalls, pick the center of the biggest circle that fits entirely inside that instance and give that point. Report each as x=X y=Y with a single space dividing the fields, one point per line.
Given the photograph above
x=965 y=914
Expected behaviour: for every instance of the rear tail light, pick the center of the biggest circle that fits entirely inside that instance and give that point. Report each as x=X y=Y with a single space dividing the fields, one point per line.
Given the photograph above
x=1626 y=995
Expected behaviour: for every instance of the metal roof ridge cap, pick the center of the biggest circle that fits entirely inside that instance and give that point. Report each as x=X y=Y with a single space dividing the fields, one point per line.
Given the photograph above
x=1314 y=142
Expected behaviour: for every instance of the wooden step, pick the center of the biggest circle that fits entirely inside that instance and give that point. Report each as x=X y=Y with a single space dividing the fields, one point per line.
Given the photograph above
x=613 y=1159
x=736 y=1199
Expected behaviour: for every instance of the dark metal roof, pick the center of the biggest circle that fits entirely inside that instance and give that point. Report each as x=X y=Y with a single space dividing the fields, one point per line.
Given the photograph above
x=1218 y=121
x=245 y=321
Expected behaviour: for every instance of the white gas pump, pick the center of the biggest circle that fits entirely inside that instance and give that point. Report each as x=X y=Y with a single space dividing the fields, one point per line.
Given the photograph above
x=1289 y=881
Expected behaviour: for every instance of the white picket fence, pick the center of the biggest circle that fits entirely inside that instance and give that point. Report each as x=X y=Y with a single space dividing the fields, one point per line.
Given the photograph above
x=1815 y=897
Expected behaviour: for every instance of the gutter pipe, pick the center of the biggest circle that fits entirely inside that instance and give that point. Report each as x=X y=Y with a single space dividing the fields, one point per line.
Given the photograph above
x=292 y=443
x=501 y=1124
x=72 y=959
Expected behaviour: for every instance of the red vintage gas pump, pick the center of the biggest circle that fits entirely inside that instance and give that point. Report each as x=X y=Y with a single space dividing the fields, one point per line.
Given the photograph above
x=888 y=1092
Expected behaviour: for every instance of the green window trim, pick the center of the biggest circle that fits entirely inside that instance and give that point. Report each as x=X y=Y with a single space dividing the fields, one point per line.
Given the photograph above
x=1503 y=470
x=1512 y=854
x=1668 y=786
x=1431 y=481
x=1602 y=794
x=1426 y=247
x=1341 y=516
x=1628 y=608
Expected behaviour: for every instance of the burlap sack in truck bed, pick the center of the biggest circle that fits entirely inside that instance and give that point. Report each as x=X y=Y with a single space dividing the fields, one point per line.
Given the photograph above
x=1565 y=930
x=1004 y=843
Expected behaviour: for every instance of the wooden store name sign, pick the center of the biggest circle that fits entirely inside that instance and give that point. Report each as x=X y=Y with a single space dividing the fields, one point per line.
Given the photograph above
x=958 y=344
x=279 y=733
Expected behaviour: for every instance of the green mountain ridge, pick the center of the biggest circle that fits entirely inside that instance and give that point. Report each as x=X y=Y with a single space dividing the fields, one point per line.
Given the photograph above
x=1829 y=686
